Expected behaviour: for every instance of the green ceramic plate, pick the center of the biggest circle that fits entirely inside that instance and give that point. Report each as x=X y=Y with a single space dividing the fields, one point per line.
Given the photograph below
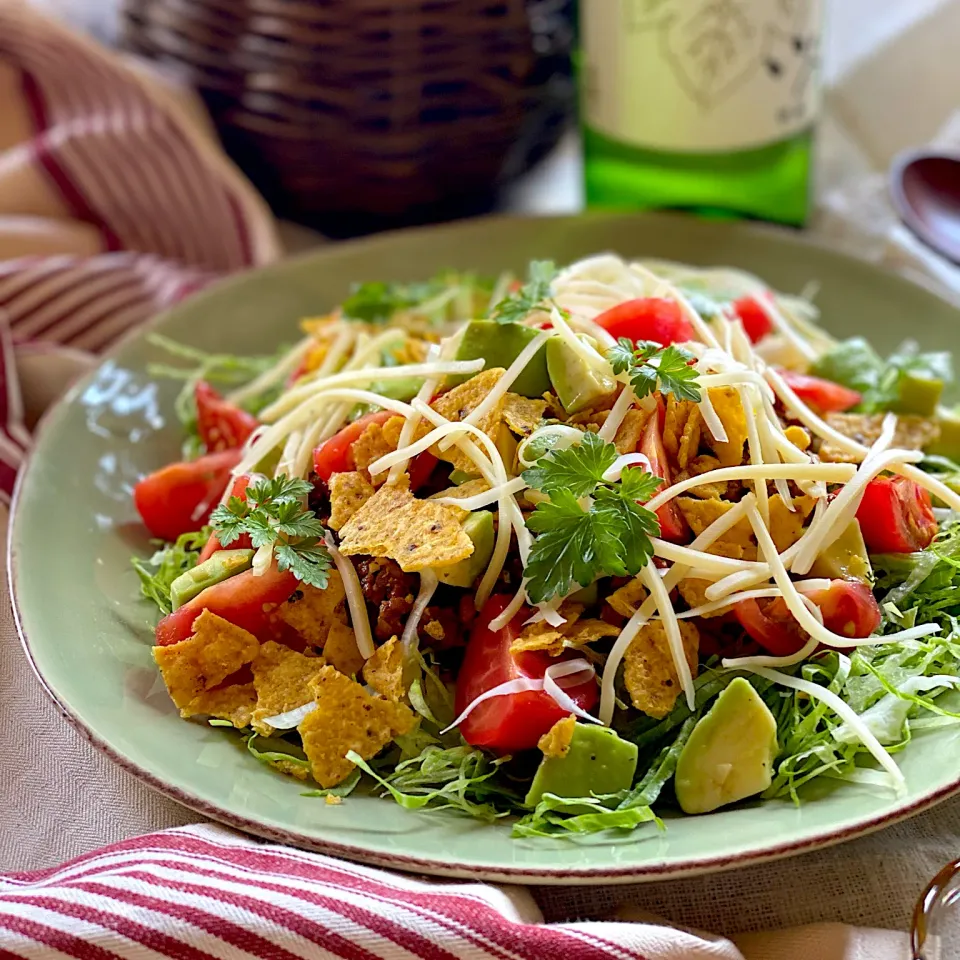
x=89 y=636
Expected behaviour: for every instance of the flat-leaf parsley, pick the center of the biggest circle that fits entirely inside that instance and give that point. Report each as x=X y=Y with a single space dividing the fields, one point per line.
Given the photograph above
x=533 y=295
x=651 y=367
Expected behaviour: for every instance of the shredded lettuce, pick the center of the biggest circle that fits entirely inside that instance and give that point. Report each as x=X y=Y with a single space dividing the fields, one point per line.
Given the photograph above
x=559 y=816
x=446 y=297
x=167 y=563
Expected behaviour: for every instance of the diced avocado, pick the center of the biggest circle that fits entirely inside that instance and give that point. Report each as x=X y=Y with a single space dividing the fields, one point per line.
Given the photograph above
x=948 y=443
x=461 y=476
x=730 y=753
x=597 y=762
x=479 y=528
x=576 y=384
x=215 y=569
x=507 y=445
x=846 y=557
x=586 y=595
x=919 y=395
x=500 y=344
x=405 y=388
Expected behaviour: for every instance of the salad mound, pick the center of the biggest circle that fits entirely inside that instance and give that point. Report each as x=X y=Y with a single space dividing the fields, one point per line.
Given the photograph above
x=624 y=537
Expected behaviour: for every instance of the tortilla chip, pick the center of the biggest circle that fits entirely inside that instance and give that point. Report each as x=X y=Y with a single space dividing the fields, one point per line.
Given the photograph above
x=289 y=767
x=737 y=543
x=384 y=670
x=727 y=406
x=678 y=414
x=347 y=718
x=693 y=592
x=348 y=493
x=521 y=414
x=416 y=533
x=466 y=489
x=589 y=631
x=696 y=468
x=690 y=439
x=341 y=650
x=556 y=741
x=627 y=598
x=459 y=403
x=539 y=636
x=649 y=674
x=375 y=442
x=786 y=527
x=798 y=437
x=574 y=633
x=216 y=650
x=281 y=677
x=912 y=433
x=554 y=409
x=235 y=703
x=310 y=610
x=627 y=437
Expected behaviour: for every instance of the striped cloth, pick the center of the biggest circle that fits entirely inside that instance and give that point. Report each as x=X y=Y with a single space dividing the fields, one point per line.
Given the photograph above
x=115 y=202
x=199 y=893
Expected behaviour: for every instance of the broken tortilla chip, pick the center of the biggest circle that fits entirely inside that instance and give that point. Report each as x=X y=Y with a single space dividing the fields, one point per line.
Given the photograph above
x=737 y=543
x=627 y=598
x=466 y=489
x=694 y=593
x=349 y=491
x=556 y=741
x=281 y=677
x=729 y=409
x=341 y=650
x=194 y=666
x=384 y=670
x=459 y=403
x=521 y=414
x=310 y=610
x=416 y=533
x=347 y=718
x=235 y=703
x=375 y=442
x=627 y=438
x=786 y=527
x=649 y=673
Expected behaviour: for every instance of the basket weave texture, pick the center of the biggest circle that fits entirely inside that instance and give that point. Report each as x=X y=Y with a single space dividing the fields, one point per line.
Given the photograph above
x=353 y=115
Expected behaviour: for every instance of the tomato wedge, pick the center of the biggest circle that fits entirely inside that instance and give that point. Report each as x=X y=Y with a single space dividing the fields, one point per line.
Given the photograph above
x=896 y=516
x=239 y=599
x=756 y=323
x=648 y=318
x=825 y=395
x=335 y=455
x=179 y=498
x=243 y=541
x=673 y=527
x=222 y=425
x=515 y=721
x=849 y=609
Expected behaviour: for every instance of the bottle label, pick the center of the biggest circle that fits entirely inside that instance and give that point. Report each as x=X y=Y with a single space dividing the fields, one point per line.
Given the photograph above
x=700 y=76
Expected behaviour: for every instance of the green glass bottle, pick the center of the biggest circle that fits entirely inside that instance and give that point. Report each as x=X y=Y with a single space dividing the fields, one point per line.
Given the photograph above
x=703 y=105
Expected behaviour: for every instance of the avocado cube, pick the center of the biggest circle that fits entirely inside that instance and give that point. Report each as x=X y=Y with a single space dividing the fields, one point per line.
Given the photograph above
x=215 y=569
x=730 y=753
x=845 y=558
x=500 y=344
x=479 y=528
x=598 y=762
x=948 y=443
x=919 y=395
x=576 y=383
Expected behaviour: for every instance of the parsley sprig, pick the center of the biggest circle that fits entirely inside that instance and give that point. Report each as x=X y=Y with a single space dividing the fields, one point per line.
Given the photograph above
x=651 y=366
x=533 y=295
x=273 y=514
x=609 y=536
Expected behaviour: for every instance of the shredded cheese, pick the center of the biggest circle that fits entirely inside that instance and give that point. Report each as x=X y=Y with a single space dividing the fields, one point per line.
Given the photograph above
x=658 y=592
x=355 y=601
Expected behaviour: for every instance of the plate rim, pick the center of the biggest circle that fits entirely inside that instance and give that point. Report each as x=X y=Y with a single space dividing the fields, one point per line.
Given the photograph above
x=636 y=873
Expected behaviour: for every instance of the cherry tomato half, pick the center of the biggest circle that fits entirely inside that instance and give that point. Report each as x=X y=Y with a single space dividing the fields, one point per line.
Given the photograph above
x=849 y=609
x=825 y=395
x=179 y=498
x=673 y=526
x=896 y=516
x=515 y=721
x=648 y=318
x=221 y=424
x=239 y=599
x=756 y=323
x=335 y=455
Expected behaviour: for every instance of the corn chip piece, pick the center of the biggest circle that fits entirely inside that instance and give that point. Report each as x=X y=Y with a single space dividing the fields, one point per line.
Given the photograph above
x=416 y=533
x=630 y=431
x=384 y=670
x=349 y=491
x=281 y=677
x=737 y=543
x=649 y=673
x=235 y=703
x=347 y=718
x=341 y=650
x=786 y=527
x=727 y=406
x=556 y=741
x=521 y=414
x=693 y=592
x=375 y=442
x=459 y=403
x=195 y=666
x=627 y=598
x=311 y=611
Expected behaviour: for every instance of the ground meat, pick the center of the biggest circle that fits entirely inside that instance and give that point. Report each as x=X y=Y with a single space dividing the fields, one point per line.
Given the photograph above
x=912 y=433
x=389 y=593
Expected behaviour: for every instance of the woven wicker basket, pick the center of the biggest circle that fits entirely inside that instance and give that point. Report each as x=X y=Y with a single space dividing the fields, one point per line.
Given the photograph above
x=354 y=115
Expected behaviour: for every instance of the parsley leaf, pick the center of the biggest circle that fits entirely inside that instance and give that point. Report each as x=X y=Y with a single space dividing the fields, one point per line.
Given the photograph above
x=578 y=469
x=273 y=513
x=651 y=366
x=533 y=295
x=607 y=536
x=377 y=302
x=158 y=573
